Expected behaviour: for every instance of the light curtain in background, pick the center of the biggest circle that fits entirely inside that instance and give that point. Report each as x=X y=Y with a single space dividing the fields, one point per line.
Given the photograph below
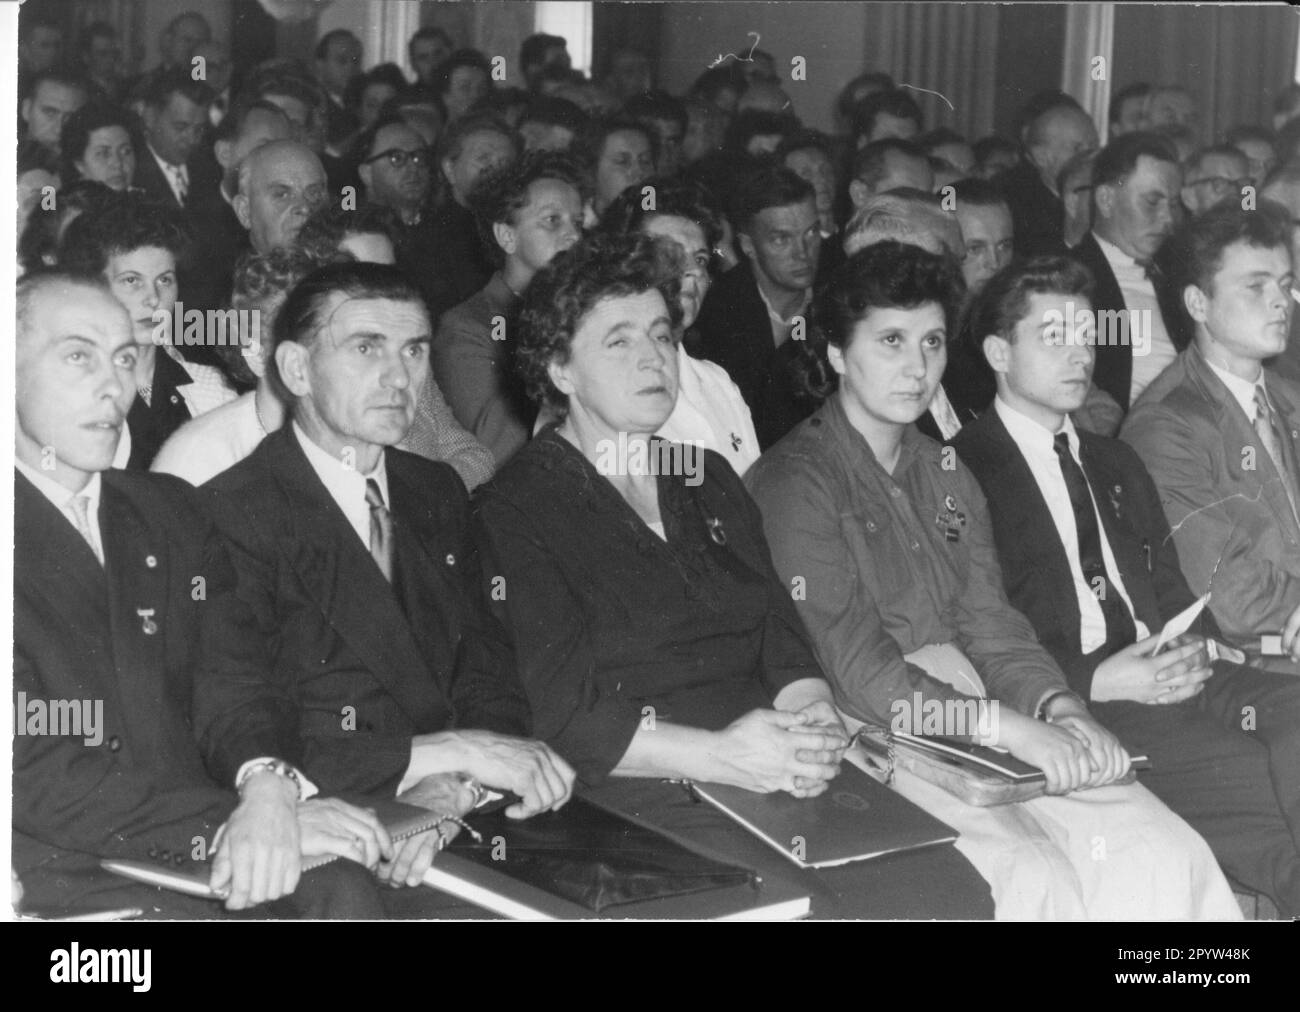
x=1234 y=59
x=951 y=49
x=1089 y=34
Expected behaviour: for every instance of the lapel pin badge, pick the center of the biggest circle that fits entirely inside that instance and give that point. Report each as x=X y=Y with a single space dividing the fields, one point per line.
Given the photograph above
x=716 y=532
x=951 y=519
x=147 y=626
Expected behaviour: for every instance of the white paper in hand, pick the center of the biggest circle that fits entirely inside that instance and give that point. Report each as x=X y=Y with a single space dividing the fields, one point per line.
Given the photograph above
x=1180 y=623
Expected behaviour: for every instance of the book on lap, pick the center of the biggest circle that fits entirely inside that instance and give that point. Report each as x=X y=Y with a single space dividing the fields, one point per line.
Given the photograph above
x=854 y=819
x=977 y=774
x=587 y=860
x=401 y=821
x=581 y=862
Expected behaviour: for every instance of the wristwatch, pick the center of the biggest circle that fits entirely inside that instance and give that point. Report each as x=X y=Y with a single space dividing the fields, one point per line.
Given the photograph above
x=277 y=766
x=1046 y=704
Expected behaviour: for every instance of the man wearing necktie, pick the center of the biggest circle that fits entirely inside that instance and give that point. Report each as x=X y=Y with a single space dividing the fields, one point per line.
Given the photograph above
x=109 y=614
x=389 y=677
x=175 y=119
x=1087 y=556
x=1218 y=430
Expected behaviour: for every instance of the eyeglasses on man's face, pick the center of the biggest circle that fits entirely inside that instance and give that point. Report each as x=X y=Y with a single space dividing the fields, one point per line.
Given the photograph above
x=1221 y=184
x=421 y=158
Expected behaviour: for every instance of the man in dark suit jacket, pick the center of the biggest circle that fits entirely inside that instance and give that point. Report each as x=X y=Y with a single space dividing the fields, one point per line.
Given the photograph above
x=1136 y=182
x=221 y=238
x=1055 y=129
x=175 y=121
x=1096 y=591
x=357 y=559
x=445 y=252
x=123 y=602
x=754 y=320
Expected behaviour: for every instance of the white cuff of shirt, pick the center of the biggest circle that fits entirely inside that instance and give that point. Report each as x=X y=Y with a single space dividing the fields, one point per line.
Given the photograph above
x=306 y=788
x=422 y=764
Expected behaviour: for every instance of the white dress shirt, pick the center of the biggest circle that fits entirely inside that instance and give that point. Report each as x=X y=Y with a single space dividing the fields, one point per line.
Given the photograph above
x=346 y=485
x=1156 y=351
x=62 y=500
x=944 y=414
x=177 y=176
x=710 y=412
x=1242 y=390
x=1037 y=447
x=783 y=326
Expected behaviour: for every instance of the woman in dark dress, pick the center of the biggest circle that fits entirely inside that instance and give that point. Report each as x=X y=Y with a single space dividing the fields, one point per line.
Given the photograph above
x=653 y=637
x=134 y=244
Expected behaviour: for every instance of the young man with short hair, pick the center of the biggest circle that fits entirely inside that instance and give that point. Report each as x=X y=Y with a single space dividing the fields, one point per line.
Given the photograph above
x=1219 y=429
x=754 y=318
x=1086 y=555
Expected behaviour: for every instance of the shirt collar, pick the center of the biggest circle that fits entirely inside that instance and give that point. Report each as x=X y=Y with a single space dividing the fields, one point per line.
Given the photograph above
x=58 y=494
x=1114 y=255
x=807 y=297
x=167 y=167
x=1029 y=434
x=346 y=485
x=1243 y=391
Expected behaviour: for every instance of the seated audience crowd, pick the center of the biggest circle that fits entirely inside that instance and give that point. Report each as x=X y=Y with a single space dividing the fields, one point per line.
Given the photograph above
x=387 y=439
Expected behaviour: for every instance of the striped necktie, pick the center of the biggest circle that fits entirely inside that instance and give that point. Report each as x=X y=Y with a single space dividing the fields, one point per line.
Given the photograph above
x=381 y=529
x=79 y=508
x=1266 y=429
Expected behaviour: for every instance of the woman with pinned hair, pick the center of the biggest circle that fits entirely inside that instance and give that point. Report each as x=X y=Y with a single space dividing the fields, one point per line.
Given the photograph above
x=905 y=605
x=526 y=213
x=135 y=245
x=100 y=143
x=654 y=639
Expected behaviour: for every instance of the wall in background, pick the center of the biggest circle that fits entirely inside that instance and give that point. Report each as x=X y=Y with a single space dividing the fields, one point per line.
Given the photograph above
x=1234 y=58
x=830 y=36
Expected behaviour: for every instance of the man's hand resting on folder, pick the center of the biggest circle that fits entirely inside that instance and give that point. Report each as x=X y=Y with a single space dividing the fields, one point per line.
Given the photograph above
x=528 y=768
x=1176 y=673
x=259 y=851
x=446 y=793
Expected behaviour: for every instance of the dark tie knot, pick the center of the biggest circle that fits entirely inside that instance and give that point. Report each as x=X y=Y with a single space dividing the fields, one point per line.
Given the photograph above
x=1061 y=444
x=374 y=498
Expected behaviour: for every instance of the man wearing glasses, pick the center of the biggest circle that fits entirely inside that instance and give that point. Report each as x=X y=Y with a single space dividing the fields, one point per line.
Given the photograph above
x=1214 y=176
x=396 y=169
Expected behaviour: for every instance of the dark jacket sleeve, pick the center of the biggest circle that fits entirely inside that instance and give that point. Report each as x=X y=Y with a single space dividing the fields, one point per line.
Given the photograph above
x=75 y=797
x=486 y=692
x=787 y=654
x=241 y=712
x=575 y=706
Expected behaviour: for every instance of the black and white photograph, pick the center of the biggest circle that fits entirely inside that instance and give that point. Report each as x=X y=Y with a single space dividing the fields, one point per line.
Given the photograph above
x=655 y=462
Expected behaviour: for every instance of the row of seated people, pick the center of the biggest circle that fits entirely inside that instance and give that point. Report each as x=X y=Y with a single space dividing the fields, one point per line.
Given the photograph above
x=326 y=551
